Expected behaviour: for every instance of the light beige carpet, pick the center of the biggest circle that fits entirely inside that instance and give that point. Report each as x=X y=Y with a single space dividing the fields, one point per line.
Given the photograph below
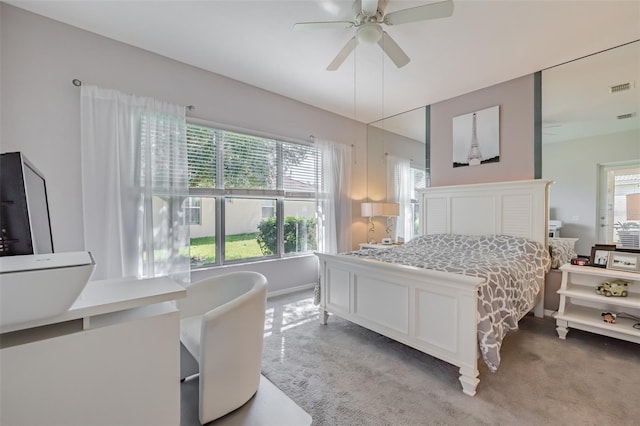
x=343 y=374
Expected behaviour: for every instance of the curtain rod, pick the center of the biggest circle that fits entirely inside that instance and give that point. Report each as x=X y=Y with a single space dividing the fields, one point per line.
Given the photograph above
x=78 y=83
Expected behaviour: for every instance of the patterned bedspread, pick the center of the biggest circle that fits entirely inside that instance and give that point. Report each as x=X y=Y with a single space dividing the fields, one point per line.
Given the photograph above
x=513 y=267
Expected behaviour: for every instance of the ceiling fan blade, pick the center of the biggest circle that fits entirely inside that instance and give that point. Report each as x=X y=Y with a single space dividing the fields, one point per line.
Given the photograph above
x=342 y=55
x=393 y=51
x=420 y=13
x=369 y=7
x=327 y=25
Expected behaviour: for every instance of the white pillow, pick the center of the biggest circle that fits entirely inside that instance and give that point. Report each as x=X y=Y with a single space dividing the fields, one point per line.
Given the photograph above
x=562 y=250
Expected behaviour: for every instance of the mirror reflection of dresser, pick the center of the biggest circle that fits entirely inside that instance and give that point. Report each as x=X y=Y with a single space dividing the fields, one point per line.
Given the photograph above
x=554 y=228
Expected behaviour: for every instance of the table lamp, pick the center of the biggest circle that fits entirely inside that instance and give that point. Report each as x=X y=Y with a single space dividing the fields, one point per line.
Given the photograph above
x=370 y=210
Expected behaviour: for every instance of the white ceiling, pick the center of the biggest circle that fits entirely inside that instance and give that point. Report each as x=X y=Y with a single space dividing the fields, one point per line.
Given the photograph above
x=481 y=44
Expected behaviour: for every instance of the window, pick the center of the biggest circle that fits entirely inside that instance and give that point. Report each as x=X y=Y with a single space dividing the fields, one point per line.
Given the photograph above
x=245 y=230
x=418 y=181
x=192 y=208
x=257 y=194
x=618 y=181
x=268 y=209
x=299 y=226
x=203 y=234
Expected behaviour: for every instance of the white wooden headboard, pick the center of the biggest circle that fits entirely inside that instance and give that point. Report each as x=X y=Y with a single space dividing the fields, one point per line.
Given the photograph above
x=517 y=208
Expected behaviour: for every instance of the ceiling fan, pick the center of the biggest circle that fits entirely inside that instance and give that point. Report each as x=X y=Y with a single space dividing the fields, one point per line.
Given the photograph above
x=368 y=19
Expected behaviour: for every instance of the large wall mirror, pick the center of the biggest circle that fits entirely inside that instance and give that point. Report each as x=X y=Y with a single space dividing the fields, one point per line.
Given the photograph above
x=591 y=146
x=396 y=168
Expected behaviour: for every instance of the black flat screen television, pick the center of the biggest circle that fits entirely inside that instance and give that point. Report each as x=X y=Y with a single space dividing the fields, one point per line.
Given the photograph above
x=25 y=227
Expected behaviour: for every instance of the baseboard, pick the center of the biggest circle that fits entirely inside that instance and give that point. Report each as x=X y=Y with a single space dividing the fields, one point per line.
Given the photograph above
x=290 y=290
x=549 y=313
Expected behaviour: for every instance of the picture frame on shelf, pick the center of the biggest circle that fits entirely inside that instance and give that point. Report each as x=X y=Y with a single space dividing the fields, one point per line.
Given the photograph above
x=624 y=261
x=600 y=255
x=628 y=250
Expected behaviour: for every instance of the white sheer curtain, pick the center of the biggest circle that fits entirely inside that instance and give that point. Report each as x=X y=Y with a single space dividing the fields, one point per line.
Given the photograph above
x=334 y=217
x=399 y=191
x=134 y=183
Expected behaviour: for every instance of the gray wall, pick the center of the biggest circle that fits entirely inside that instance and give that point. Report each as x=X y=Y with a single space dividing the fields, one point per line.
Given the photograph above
x=41 y=110
x=573 y=166
x=515 y=98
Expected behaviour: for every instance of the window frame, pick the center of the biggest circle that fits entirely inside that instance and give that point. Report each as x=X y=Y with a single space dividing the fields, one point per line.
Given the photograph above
x=191 y=208
x=221 y=194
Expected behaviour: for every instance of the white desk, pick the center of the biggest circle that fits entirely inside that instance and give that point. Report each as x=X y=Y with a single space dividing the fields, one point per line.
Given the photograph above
x=113 y=358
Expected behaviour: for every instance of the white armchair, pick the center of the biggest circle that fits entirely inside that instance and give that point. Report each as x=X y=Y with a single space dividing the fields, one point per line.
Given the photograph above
x=222 y=326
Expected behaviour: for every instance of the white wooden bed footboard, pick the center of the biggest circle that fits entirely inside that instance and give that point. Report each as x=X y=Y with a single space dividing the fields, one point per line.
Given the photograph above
x=434 y=312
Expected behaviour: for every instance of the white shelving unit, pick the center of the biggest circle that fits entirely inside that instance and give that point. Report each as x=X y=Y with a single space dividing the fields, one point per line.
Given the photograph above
x=581 y=308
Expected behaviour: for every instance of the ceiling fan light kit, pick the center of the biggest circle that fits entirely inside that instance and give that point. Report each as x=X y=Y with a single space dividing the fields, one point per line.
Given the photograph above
x=369 y=33
x=369 y=16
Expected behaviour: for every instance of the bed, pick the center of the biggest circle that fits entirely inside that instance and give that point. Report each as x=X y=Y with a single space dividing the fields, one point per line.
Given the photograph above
x=436 y=311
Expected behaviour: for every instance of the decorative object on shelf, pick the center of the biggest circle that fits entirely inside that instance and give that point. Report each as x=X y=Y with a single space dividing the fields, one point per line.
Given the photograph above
x=631 y=317
x=600 y=254
x=616 y=288
x=623 y=261
x=370 y=210
x=580 y=261
x=609 y=317
x=390 y=210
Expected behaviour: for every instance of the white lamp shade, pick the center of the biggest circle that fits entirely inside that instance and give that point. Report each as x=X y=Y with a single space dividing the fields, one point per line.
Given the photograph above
x=391 y=209
x=370 y=209
x=633 y=206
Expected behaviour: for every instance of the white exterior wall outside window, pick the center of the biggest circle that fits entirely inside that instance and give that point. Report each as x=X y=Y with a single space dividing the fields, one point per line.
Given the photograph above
x=207 y=225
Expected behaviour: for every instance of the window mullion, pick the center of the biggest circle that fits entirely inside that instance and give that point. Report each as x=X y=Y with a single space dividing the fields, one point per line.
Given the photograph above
x=218 y=135
x=280 y=225
x=220 y=230
x=280 y=166
x=220 y=201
